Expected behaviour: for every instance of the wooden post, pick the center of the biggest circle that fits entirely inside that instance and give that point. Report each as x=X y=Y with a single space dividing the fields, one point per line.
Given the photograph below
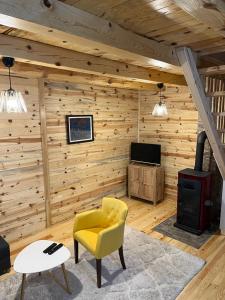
x=197 y=89
x=44 y=151
x=222 y=213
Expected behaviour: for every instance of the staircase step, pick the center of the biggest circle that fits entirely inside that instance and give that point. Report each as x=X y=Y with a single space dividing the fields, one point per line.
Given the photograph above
x=220 y=114
x=216 y=94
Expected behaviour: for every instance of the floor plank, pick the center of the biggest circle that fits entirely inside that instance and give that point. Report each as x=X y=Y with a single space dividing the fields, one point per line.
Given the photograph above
x=208 y=284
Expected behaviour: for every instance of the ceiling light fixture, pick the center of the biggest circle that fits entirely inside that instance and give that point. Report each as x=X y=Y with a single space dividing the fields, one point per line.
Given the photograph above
x=11 y=100
x=160 y=109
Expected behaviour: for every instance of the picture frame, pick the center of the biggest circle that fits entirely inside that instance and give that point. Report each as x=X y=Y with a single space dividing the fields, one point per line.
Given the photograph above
x=79 y=128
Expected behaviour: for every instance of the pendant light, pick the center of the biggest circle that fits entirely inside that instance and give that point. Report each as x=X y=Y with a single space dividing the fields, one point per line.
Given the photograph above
x=11 y=100
x=160 y=109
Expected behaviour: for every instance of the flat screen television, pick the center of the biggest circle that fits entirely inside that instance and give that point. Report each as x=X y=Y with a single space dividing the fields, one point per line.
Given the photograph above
x=146 y=153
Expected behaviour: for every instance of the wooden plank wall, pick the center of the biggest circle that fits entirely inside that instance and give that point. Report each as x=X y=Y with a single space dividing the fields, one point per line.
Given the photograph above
x=176 y=133
x=22 y=205
x=81 y=174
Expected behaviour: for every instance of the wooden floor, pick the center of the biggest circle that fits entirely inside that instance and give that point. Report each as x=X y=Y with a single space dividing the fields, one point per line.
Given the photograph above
x=209 y=284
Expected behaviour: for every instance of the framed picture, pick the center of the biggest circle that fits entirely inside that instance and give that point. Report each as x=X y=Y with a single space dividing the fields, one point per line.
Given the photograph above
x=79 y=128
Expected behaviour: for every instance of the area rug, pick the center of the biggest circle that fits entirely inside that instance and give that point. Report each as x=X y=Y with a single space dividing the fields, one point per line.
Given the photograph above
x=196 y=241
x=155 y=271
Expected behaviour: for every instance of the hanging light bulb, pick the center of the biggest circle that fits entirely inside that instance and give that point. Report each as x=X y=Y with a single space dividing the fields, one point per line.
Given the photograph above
x=11 y=100
x=160 y=109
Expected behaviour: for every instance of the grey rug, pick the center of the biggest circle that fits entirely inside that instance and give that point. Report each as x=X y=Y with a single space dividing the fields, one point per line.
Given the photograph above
x=155 y=271
x=167 y=228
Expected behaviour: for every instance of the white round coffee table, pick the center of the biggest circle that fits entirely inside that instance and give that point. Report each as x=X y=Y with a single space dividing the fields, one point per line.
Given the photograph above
x=32 y=260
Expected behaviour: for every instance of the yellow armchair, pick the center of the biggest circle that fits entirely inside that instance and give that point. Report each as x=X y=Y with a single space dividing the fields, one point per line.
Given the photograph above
x=101 y=231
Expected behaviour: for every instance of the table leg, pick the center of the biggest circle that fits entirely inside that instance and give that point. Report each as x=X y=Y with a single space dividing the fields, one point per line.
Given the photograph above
x=22 y=287
x=65 y=278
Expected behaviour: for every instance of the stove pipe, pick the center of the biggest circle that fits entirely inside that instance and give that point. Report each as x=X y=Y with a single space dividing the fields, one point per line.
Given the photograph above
x=200 y=151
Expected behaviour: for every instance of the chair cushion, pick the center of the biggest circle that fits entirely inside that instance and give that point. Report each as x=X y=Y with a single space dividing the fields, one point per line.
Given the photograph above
x=88 y=238
x=114 y=210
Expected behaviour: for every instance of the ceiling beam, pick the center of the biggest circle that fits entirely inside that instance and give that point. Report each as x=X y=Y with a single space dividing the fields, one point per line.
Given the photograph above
x=212 y=13
x=217 y=70
x=67 y=24
x=54 y=75
x=36 y=53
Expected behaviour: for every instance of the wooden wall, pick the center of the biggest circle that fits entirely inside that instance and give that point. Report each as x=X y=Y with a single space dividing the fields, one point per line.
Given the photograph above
x=81 y=174
x=176 y=133
x=22 y=204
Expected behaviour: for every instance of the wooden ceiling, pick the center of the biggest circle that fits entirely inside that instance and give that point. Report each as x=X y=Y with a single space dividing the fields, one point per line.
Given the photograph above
x=160 y=20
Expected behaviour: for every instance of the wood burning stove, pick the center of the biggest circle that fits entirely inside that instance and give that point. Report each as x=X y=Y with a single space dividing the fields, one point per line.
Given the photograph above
x=193 y=194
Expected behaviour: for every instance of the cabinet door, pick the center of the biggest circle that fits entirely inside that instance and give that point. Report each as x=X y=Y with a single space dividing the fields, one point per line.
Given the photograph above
x=134 y=172
x=134 y=188
x=148 y=192
x=149 y=176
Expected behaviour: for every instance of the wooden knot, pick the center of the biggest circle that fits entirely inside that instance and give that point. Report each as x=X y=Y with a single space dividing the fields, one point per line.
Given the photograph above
x=47 y=3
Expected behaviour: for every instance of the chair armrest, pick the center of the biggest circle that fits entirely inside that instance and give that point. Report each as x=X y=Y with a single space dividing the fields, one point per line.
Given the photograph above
x=88 y=219
x=109 y=240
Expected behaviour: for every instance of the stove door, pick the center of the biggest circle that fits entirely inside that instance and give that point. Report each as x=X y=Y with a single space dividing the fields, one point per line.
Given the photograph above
x=189 y=200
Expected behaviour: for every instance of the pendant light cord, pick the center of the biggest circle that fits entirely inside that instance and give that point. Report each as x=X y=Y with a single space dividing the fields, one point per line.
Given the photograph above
x=160 y=96
x=10 y=82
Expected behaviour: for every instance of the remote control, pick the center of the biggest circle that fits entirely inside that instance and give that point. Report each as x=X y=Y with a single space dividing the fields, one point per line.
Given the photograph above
x=55 y=249
x=49 y=248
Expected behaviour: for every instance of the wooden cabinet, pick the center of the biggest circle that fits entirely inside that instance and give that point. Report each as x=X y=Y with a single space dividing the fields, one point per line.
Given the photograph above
x=146 y=182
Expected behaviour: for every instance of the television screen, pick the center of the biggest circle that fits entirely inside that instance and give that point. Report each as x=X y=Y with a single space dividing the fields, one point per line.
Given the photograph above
x=146 y=153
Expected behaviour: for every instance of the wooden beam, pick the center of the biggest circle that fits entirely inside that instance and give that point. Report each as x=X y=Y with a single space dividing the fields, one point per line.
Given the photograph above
x=64 y=23
x=211 y=13
x=44 y=151
x=27 y=51
x=194 y=81
x=52 y=74
x=213 y=70
x=209 y=60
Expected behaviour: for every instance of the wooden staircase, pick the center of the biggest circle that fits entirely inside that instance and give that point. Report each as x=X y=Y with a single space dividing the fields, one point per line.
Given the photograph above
x=215 y=90
x=208 y=93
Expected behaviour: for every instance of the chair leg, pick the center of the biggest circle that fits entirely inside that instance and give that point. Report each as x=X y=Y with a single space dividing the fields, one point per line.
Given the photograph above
x=76 y=251
x=122 y=257
x=99 y=272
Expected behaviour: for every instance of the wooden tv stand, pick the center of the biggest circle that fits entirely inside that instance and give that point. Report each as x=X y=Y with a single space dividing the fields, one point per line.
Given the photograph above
x=146 y=182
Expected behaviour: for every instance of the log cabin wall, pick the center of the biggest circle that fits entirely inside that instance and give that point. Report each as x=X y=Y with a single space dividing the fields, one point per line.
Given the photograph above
x=176 y=133
x=81 y=174
x=22 y=203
